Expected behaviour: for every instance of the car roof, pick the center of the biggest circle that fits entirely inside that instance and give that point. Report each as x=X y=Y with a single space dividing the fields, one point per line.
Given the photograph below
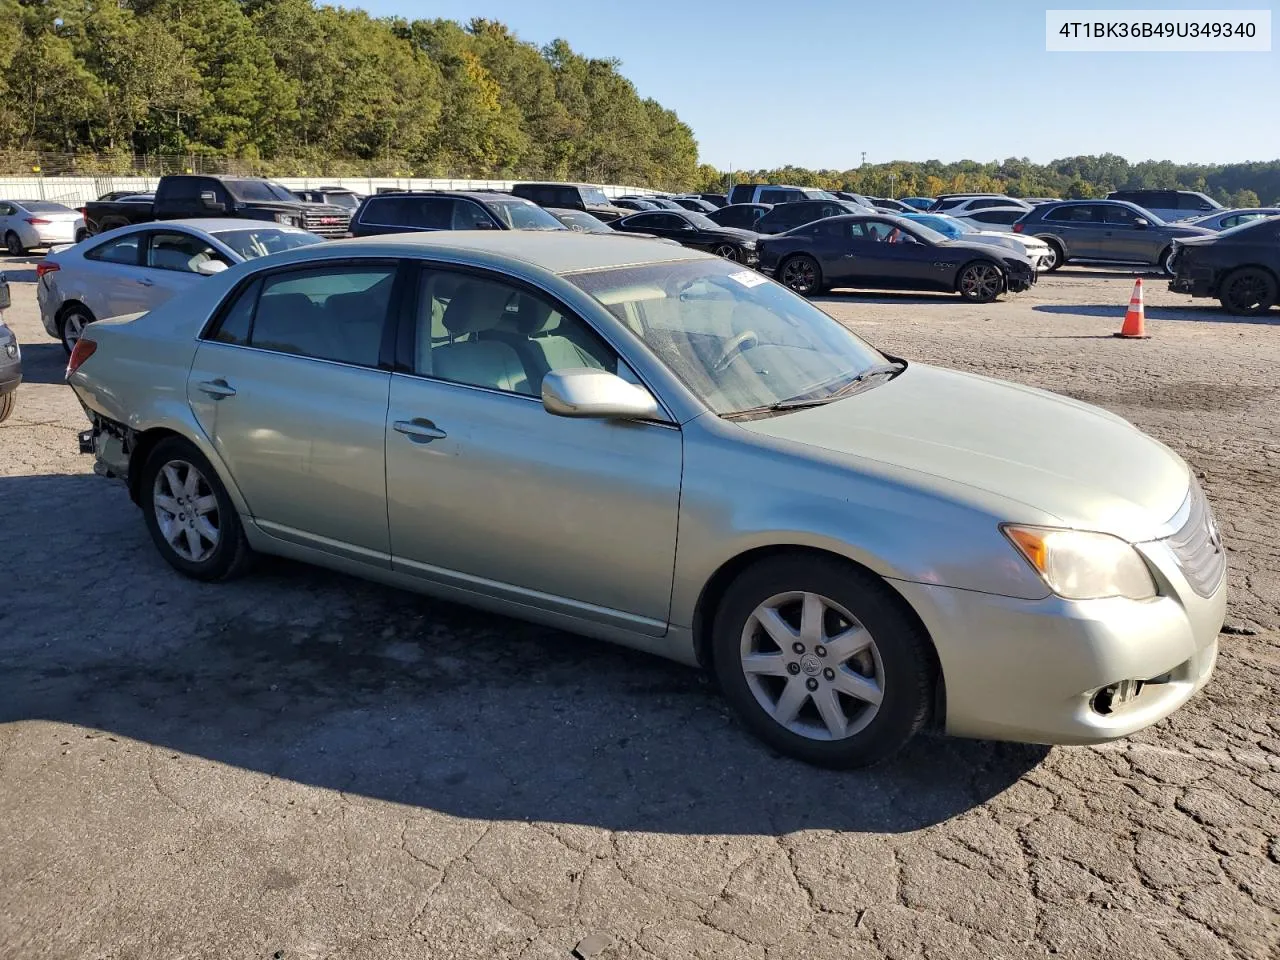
x=473 y=194
x=556 y=251
x=211 y=225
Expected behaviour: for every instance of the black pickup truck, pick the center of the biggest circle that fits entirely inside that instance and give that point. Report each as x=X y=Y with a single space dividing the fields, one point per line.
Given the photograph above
x=182 y=196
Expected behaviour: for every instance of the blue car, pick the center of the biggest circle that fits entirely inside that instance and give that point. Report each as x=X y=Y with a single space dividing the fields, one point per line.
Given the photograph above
x=920 y=203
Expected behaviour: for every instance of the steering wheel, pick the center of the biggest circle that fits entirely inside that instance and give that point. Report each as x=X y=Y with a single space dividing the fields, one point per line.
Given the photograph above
x=743 y=341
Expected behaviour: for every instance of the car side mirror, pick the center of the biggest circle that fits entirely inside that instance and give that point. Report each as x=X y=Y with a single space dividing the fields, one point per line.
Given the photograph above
x=210 y=267
x=209 y=200
x=587 y=393
x=1141 y=223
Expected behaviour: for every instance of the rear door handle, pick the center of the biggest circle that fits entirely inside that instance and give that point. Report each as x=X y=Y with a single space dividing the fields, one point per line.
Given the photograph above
x=146 y=282
x=419 y=430
x=217 y=388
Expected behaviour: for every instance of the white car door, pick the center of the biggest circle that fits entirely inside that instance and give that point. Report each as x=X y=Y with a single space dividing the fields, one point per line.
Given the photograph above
x=112 y=283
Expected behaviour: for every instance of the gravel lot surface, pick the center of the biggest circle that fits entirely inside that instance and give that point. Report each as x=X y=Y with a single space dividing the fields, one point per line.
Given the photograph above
x=299 y=765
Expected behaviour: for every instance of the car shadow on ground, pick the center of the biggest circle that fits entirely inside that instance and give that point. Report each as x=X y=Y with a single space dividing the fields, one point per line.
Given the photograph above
x=1202 y=314
x=44 y=363
x=841 y=295
x=320 y=678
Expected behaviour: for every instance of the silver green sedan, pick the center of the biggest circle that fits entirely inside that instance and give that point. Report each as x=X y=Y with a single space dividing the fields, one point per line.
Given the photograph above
x=661 y=448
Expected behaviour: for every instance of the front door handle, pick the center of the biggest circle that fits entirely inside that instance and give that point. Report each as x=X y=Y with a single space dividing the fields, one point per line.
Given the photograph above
x=419 y=430
x=850 y=256
x=217 y=389
x=146 y=282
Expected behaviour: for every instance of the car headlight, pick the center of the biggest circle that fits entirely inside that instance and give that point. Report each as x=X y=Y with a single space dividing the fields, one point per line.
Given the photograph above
x=748 y=244
x=1083 y=566
x=285 y=218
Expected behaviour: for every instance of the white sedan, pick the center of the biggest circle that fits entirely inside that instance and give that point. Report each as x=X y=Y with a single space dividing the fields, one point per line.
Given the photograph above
x=137 y=268
x=1036 y=250
x=25 y=224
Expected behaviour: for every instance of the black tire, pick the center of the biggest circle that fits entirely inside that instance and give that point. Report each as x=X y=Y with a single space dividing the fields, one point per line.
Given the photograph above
x=801 y=274
x=1247 y=291
x=81 y=234
x=906 y=659
x=980 y=281
x=1059 y=255
x=231 y=555
x=7 y=403
x=67 y=318
x=1162 y=264
x=13 y=244
x=728 y=251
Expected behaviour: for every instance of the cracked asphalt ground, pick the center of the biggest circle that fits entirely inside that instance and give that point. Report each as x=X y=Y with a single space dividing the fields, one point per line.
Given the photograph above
x=300 y=765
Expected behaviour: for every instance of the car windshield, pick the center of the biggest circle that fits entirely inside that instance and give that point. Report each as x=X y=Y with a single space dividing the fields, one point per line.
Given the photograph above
x=263 y=241
x=258 y=190
x=820 y=195
x=947 y=226
x=348 y=200
x=43 y=206
x=585 y=222
x=925 y=233
x=737 y=340
x=701 y=220
x=594 y=195
x=522 y=215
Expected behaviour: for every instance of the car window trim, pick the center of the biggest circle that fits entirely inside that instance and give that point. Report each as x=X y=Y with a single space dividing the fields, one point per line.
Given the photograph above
x=407 y=329
x=116 y=240
x=386 y=345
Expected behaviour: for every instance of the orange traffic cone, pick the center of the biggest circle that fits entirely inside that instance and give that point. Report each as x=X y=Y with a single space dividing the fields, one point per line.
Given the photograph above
x=1135 y=318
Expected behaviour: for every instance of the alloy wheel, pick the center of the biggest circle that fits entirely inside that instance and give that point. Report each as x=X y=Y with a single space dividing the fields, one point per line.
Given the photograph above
x=73 y=328
x=186 y=510
x=812 y=666
x=13 y=245
x=1249 y=291
x=980 y=281
x=800 y=275
x=726 y=250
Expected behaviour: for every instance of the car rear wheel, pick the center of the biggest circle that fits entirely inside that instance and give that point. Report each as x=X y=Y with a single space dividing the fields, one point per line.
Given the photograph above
x=817 y=659
x=802 y=274
x=980 y=281
x=1248 y=291
x=1055 y=259
x=7 y=403
x=71 y=324
x=189 y=514
x=728 y=251
x=13 y=244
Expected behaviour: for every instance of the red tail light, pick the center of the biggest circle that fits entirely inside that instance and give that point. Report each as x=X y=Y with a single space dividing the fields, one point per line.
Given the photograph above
x=37 y=222
x=82 y=351
x=1017 y=228
x=44 y=266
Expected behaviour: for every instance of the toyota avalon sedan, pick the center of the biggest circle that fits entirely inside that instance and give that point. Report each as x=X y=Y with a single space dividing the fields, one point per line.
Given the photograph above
x=136 y=268
x=650 y=445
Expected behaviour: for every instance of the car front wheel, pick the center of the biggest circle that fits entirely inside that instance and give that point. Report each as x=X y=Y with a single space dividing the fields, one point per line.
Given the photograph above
x=980 y=282
x=728 y=251
x=189 y=514
x=819 y=660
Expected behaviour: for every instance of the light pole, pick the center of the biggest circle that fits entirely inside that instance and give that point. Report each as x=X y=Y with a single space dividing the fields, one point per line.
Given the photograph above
x=893 y=180
x=864 y=159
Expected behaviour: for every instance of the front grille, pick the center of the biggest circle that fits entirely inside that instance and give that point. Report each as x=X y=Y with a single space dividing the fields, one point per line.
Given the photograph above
x=1197 y=545
x=328 y=225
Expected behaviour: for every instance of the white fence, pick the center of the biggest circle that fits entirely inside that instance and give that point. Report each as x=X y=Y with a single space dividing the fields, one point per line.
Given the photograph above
x=75 y=191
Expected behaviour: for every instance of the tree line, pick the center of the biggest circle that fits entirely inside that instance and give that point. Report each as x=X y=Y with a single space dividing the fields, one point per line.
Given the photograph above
x=1086 y=177
x=292 y=88
x=313 y=90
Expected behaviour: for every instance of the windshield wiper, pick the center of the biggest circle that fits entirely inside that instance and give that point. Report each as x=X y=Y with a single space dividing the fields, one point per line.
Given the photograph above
x=845 y=389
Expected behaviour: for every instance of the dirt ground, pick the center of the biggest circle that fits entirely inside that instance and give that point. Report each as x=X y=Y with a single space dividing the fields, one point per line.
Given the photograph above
x=299 y=765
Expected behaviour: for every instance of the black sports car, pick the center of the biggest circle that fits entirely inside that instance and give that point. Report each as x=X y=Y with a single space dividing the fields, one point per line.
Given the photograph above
x=1240 y=266
x=890 y=253
x=691 y=229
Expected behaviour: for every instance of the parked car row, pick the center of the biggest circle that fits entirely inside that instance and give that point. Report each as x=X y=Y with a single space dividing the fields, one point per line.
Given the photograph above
x=10 y=356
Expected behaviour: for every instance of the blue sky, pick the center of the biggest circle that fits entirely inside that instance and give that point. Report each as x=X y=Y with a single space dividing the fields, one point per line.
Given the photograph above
x=816 y=82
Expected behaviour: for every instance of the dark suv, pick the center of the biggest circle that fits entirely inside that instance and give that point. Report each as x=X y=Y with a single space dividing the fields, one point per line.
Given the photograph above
x=1169 y=205
x=1108 y=230
x=570 y=196
x=417 y=211
x=796 y=213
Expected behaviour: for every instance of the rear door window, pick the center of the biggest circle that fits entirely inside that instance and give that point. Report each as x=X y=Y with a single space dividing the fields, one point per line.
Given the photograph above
x=1072 y=213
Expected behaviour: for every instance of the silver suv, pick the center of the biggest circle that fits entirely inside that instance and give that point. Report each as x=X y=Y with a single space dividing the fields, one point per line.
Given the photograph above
x=1107 y=230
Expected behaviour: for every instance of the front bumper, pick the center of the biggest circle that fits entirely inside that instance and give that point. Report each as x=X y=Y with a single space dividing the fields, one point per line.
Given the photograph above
x=1031 y=670
x=1019 y=282
x=1200 y=283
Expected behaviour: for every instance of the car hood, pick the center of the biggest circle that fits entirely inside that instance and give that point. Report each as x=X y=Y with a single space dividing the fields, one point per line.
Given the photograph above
x=983 y=247
x=737 y=233
x=1181 y=232
x=1198 y=239
x=1085 y=467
